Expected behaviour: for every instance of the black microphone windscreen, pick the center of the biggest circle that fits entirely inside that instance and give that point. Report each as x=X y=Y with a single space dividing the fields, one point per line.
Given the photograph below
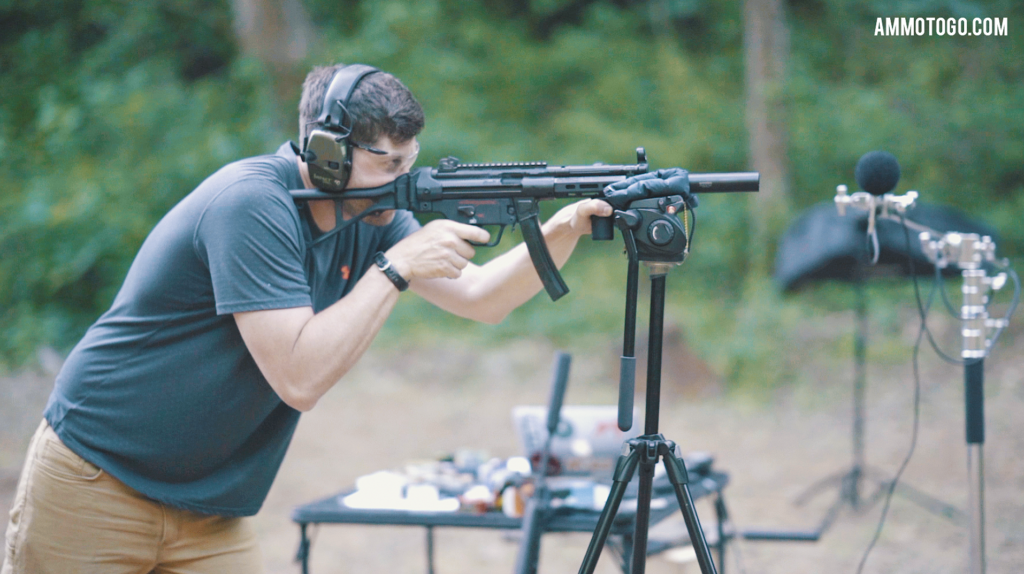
x=877 y=172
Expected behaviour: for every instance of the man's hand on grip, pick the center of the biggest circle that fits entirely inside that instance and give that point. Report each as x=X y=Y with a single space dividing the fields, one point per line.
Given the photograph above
x=440 y=249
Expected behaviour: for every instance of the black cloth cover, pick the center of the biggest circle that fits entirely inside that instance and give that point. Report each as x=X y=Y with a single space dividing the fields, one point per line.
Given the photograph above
x=821 y=245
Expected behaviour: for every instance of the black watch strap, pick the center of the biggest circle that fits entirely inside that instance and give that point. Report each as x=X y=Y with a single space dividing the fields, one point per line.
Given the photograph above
x=384 y=265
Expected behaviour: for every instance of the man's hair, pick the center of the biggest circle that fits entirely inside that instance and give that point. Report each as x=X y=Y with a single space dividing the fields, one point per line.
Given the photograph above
x=381 y=105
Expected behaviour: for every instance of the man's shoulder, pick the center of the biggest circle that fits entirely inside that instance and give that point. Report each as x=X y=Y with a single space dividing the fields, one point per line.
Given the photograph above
x=267 y=171
x=255 y=180
x=250 y=191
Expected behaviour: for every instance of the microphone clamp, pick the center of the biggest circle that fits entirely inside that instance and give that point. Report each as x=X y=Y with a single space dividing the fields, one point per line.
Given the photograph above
x=869 y=202
x=875 y=205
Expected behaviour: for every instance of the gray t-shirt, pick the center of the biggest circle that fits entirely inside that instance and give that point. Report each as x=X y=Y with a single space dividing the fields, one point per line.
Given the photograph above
x=161 y=392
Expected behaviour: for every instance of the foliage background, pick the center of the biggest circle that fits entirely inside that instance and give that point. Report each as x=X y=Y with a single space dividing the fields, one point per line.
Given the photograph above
x=111 y=112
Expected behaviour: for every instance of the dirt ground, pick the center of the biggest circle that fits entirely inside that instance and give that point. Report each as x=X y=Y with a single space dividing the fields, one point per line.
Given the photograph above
x=404 y=405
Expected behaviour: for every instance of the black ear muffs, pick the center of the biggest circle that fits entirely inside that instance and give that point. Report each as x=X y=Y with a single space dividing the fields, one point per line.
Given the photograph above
x=327 y=150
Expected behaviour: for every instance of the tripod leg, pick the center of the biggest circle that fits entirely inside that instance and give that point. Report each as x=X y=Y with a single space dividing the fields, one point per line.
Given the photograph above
x=820 y=486
x=643 y=508
x=722 y=515
x=832 y=513
x=677 y=476
x=624 y=470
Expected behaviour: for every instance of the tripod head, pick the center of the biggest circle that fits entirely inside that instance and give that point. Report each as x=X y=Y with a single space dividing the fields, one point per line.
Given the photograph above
x=653 y=231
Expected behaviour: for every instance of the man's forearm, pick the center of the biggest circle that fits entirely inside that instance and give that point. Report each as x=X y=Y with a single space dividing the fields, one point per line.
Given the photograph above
x=488 y=293
x=302 y=354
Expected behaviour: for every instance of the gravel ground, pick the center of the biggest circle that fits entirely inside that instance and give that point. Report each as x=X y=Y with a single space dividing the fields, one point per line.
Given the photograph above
x=404 y=405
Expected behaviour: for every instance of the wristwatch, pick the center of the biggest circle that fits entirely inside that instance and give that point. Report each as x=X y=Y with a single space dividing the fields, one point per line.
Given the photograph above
x=385 y=266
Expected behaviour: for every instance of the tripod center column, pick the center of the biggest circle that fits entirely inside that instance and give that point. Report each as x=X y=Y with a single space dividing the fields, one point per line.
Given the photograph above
x=657 y=271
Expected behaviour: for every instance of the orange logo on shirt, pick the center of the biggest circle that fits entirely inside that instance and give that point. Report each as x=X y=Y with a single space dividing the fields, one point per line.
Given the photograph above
x=345 y=272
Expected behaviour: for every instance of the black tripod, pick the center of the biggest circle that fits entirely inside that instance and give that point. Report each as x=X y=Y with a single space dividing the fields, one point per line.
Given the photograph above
x=662 y=242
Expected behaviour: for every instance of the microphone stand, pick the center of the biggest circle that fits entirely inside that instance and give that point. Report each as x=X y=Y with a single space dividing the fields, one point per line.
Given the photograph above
x=968 y=251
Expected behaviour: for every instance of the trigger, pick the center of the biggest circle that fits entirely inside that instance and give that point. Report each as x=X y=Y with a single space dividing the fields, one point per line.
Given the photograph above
x=493 y=242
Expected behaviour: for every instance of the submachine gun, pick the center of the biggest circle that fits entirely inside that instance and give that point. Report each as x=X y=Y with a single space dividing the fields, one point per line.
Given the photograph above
x=506 y=194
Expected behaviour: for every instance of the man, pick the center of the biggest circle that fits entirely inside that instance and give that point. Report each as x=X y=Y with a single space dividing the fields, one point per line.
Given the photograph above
x=171 y=416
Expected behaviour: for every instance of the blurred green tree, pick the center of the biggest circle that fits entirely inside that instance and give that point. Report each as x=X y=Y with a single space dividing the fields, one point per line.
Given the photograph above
x=110 y=112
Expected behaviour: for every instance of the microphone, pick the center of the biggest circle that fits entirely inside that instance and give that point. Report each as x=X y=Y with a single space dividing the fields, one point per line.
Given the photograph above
x=877 y=172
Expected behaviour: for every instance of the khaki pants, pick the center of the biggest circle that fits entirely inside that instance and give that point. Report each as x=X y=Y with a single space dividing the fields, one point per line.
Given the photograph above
x=71 y=517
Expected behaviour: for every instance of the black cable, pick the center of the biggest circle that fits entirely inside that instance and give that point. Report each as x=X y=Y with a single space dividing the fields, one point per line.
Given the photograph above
x=999 y=331
x=942 y=289
x=876 y=251
x=920 y=308
x=693 y=225
x=1013 y=302
x=914 y=432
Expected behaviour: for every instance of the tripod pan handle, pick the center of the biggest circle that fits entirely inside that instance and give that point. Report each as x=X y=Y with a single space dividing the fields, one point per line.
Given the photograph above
x=627 y=385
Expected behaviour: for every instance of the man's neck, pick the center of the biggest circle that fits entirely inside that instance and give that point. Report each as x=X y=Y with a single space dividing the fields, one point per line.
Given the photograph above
x=304 y=173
